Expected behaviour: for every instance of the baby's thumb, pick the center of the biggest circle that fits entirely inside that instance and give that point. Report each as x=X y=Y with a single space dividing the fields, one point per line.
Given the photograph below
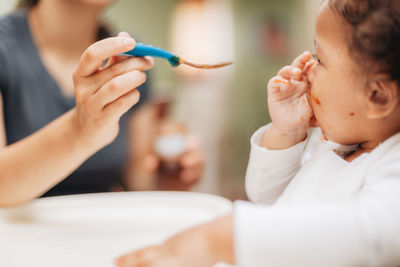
x=300 y=87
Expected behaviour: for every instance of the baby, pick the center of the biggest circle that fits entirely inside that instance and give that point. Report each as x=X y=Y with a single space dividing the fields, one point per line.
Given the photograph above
x=331 y=196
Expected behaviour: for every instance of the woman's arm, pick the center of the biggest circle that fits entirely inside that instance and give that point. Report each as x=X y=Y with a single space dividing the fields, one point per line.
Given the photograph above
x=33 y=165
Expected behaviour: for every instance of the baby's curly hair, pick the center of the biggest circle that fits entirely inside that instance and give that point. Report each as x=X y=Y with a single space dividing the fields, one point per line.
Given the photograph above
x=375 y=32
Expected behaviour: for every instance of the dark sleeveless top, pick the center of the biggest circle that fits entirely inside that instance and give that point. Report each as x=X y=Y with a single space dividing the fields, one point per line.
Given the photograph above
x=32 y=99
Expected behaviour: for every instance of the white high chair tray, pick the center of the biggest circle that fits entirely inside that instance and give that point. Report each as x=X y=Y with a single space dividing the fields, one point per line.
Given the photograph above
x=93 y=229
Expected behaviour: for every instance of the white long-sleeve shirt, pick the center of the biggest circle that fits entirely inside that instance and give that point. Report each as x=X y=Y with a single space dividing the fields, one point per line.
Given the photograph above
x=316 y=209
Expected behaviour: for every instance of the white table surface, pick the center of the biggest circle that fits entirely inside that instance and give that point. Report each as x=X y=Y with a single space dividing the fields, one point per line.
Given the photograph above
x=93 y=229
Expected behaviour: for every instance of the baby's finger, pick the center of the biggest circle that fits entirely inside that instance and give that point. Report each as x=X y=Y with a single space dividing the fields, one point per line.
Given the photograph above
x=127 y=260
x=281 y=89
x=138 y=258
x=301 y=86
x=290 y=72
x=277 y=85
x=301 y=60
x=93 y=58
x=308 y=66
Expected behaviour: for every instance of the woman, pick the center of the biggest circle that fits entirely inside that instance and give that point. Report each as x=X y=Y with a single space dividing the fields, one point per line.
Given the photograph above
x=31 y=166
x=46 y=38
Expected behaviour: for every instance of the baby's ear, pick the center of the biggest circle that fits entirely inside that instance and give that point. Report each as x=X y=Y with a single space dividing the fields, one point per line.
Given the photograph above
x=382 y=96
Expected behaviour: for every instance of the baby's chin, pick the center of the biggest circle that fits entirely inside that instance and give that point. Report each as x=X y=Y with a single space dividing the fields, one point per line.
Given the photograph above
x=332 y=138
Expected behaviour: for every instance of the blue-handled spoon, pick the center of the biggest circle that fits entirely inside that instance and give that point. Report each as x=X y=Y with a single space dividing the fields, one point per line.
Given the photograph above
x=142 y=50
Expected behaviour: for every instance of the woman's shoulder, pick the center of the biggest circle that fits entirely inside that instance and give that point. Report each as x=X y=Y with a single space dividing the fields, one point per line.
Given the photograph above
x=14 y=32
x=13 y=23
x=14 y=40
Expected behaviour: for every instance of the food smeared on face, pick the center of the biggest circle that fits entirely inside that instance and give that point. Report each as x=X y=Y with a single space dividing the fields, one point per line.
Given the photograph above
x=315 y=99
x=277 y=81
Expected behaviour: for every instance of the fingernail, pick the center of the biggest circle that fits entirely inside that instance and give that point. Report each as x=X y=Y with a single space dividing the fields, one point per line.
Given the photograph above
x=281 y=82
x=296 y=71
x=129 y=42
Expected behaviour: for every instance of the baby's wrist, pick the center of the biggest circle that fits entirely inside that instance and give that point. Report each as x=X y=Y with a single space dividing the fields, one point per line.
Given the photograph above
x=277 y=139
x=297 y=135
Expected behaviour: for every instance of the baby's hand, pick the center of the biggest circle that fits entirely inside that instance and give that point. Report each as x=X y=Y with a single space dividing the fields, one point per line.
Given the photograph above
x=182 y=250
x=290 y=112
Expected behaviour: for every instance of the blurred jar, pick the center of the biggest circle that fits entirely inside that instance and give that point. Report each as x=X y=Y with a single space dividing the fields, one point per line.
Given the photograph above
x=170 y=144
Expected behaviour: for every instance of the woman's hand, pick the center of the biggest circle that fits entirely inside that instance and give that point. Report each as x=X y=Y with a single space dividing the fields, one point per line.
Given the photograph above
x=192 y=161
x=288 y=104
x=103 y=95
x=191 y=168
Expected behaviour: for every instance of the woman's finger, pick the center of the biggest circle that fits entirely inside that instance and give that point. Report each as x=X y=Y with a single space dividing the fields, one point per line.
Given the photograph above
x=99 y=79
x=112 y=60
x=124 y=34
x=191 y=175
x=192 y=159
x=93 y=58
x=121 y=105
x=123 y=66
x=118 y=86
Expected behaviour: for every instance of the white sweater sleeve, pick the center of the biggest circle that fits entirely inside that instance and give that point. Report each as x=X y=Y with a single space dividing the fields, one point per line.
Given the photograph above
x=363 y=231
x=270 y=171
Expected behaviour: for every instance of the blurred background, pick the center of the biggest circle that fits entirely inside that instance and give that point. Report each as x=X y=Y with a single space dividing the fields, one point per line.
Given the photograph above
x=224 y=107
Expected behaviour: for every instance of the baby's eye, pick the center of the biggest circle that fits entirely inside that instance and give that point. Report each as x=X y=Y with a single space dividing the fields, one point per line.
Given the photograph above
x=315 y=57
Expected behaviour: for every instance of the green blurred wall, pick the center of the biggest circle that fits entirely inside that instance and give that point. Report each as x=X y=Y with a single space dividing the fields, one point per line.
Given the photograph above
x=248 y=100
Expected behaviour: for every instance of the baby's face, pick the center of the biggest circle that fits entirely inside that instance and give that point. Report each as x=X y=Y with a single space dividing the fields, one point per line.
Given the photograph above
x=337 y=94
